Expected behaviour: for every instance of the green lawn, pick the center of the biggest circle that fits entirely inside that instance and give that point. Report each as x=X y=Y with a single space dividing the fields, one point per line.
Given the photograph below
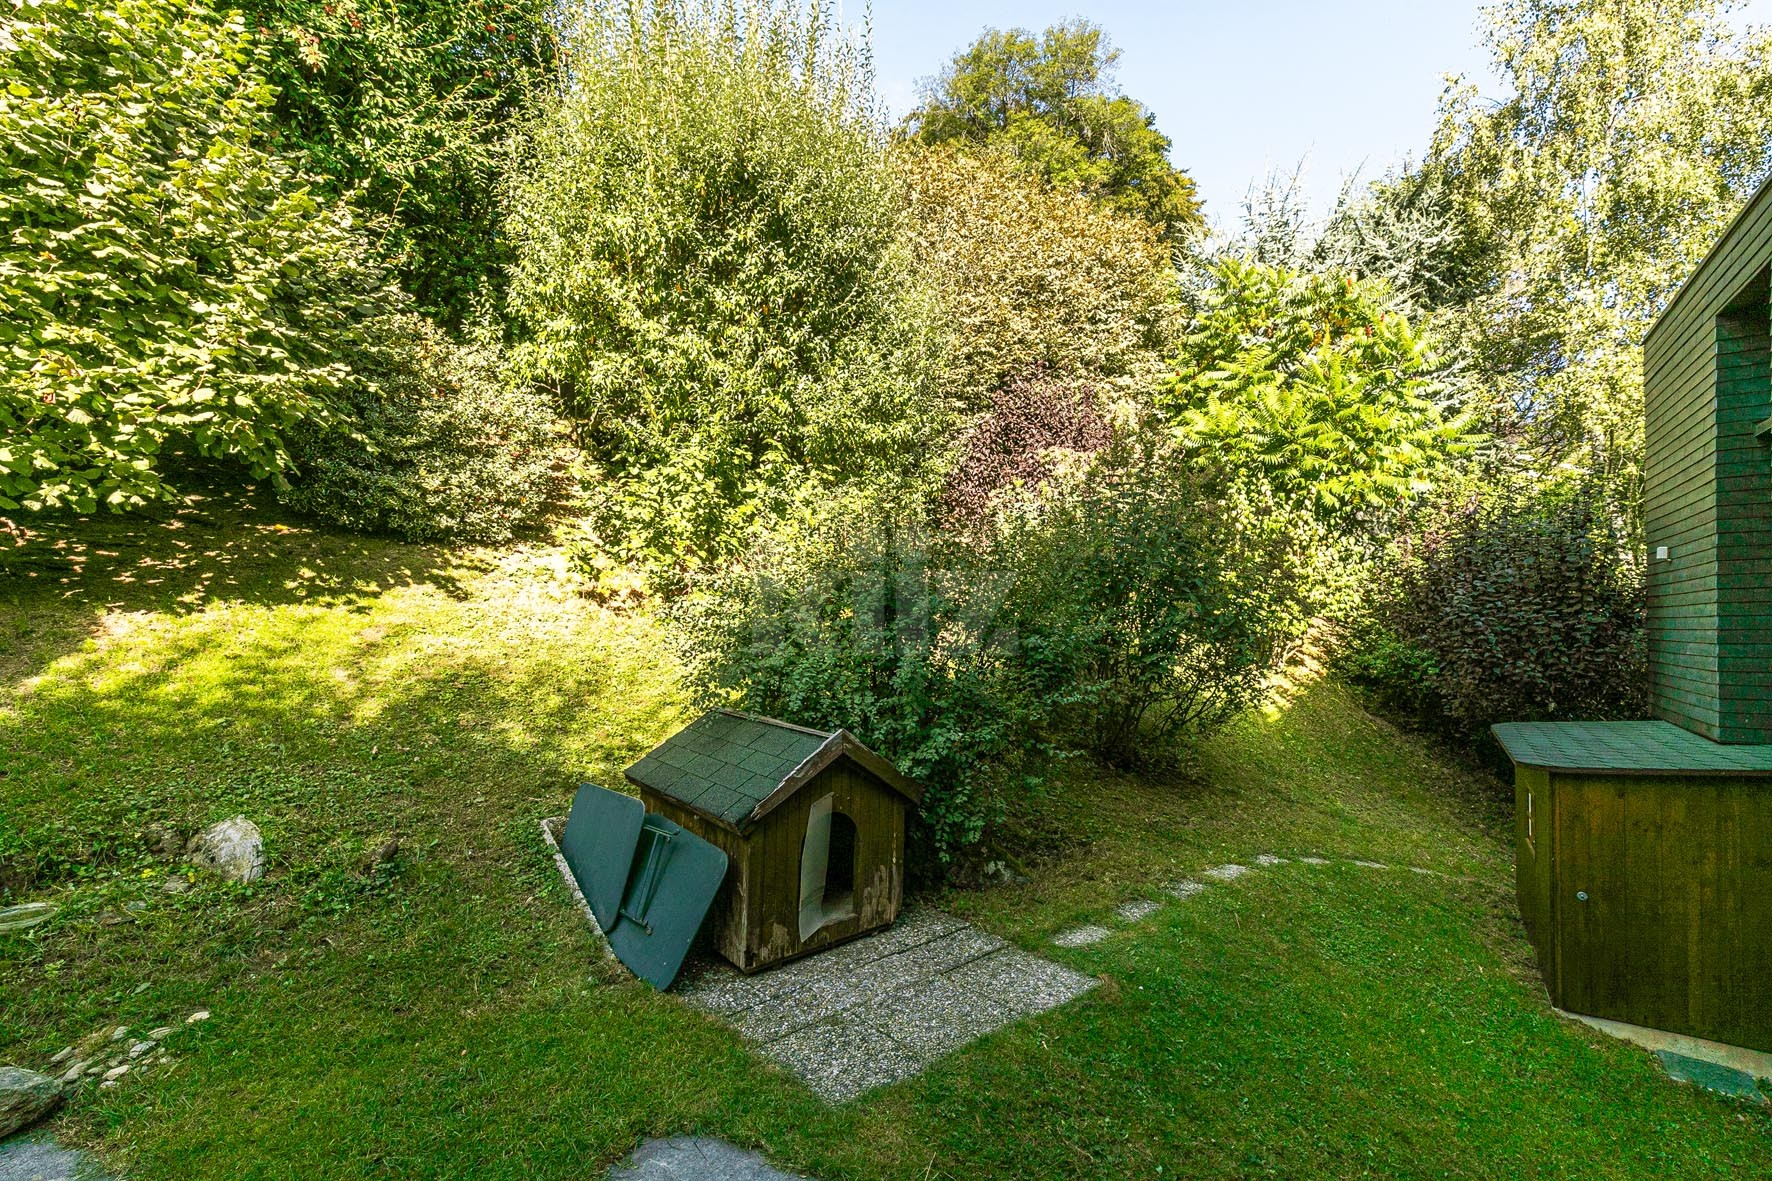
x=443 y=1017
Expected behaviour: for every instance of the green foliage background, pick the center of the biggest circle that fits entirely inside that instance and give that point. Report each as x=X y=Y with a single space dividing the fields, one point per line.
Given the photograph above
x=711 y=271
x=168 y=284
x=443 y=446
x=1047 y=103
x=405 y=105
x=1033 y=278
x=1510 y=602
x=1316 y=384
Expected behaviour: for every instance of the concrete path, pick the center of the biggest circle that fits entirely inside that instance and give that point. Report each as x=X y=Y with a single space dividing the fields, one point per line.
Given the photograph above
x=883 y=1007
x=35 y=1156
x=1135 y=910
x=1728 y=1070
x=695 y=1158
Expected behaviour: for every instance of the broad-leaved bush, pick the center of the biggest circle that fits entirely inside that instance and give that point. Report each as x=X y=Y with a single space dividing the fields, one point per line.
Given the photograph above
x=1031 y=278
x=405 y=104
x=435 y=444
x=1316 y=384
x=865 y=618
x=1515 y=603
x=1036 y=427
x=1150 y=600
x=711 y=272
x=166 y=283
x=1123 y=605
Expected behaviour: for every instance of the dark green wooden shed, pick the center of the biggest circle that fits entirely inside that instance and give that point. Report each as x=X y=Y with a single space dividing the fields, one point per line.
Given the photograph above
x=1645 y=848
x=812 y=823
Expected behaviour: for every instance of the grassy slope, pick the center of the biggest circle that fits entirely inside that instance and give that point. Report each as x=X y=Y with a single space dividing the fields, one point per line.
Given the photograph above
x=444 y=1020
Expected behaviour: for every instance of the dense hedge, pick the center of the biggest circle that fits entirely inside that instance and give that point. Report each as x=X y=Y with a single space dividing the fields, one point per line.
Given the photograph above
x=168 y=285
x=436 y=444
x=1032 y=278
x=1510 y=603
x=710 y=270
x=405 y=104
x=1124 y=605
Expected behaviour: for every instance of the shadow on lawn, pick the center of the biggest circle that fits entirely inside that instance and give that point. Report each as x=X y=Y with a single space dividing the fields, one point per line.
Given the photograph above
x=335 y=736
x=332 y=728
x=219 y=544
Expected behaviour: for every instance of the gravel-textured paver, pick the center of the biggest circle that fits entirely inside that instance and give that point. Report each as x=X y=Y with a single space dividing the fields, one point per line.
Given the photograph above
x=1081 y=936
x=1136 y=910
x=1185 y=888
x=881 y=1008
x=695 y=1158
x=1227 y=873
x=35 y=1156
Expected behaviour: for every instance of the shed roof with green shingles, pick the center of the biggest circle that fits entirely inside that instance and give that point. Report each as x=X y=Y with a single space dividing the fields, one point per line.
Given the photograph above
x=1627 y=748
x=735 y=767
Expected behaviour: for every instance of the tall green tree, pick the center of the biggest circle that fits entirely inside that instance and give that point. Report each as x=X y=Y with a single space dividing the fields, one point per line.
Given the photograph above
x=1631 y=132
x=1036 y=280
x=1049 y=102
x=407 y=103
x=712 y=271
x=167 y=284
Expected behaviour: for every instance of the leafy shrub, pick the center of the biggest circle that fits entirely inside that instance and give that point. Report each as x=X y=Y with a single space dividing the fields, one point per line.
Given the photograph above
x=1031 y=278
x=1031 y=424
x=710 y=270
x=1521 y=605
x=862 y=618
x=436 y=446
x=1401 y=673
x=1314 y=382
x=165 y=283
x=406 y=103
x=1117 y=610
x=1149 y=600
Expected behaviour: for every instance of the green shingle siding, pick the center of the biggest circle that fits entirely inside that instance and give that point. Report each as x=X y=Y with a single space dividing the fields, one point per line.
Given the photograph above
x=1744 y=515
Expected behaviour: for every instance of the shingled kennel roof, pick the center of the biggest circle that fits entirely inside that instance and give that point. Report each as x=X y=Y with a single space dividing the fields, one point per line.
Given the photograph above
x=1627 y=748
x=735 y=768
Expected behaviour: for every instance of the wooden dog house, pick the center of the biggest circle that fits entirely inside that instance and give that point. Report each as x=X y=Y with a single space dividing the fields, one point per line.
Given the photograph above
x=1645 y=848
x=812 y=823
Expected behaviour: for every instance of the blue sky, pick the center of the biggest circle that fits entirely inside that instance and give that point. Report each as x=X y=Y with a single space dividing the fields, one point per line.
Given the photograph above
x=1241 y=86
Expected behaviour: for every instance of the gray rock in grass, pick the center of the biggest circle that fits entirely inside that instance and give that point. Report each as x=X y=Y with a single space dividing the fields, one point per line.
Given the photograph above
x=695 y=1158
x=37 y=1157
x=25 y=1098
x=25 y=916
x=232 y=849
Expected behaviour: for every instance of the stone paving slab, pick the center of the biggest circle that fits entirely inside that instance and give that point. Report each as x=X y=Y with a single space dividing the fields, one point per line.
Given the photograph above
x=35 y=1156
x=881 y=1008
x=1081 y=936
x=695 y=1158
x=843 y=1056
x=1025 y=982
